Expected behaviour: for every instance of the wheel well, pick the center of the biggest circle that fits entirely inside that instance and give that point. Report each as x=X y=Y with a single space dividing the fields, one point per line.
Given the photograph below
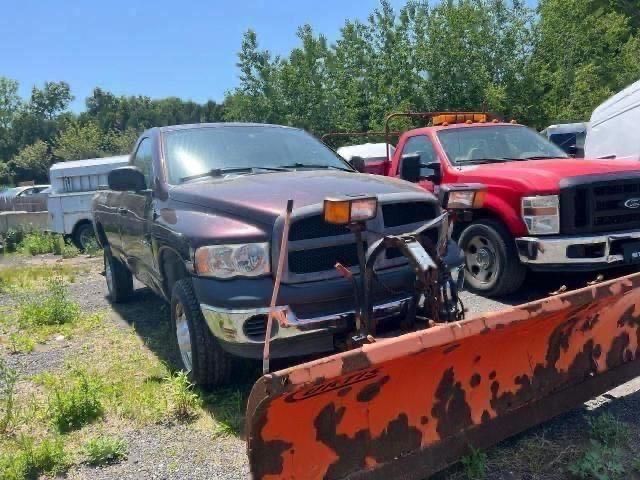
x=172 y=269
x=479 y=214
x=79 y=224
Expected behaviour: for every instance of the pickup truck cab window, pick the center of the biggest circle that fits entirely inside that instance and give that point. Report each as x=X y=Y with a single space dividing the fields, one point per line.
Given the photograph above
x=199 y=152
x=500 y=143
x=421 y=144
x=142 y=159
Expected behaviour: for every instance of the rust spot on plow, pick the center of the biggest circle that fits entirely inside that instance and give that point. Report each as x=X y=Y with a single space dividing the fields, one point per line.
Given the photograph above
x=369 y=392
x=475 y=380
x=355 y=361
x=451 y=348
x=450 y=408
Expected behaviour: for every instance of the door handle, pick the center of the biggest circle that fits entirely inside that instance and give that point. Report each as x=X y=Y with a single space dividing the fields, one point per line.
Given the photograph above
x=122 y=211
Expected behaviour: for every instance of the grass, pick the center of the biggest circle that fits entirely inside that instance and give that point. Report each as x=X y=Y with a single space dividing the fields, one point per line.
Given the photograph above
x=51 y=308
x=475 y=464
x=76 y=403
x=39 y=243
x=183 y=401
x=103 y=449
x=8 y=380
x=27 y=278
x=31 y=459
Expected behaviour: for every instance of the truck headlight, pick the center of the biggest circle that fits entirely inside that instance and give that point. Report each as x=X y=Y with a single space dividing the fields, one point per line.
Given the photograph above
x=541 y=214
x=226 y=261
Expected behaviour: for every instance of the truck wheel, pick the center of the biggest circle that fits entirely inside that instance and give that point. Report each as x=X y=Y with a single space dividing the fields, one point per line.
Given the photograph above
x=201 y=354
x=83 y=236
x=119 y=278
x=492 y=265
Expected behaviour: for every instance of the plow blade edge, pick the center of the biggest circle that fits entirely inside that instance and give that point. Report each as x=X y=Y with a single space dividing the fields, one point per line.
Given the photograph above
x=409 y=406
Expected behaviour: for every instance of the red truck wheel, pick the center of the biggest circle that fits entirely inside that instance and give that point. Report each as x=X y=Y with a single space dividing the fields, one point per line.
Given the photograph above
x=202 y=357
x=492 y=265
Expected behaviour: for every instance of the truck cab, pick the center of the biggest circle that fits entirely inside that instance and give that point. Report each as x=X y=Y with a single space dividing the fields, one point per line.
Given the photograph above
x=544 y=210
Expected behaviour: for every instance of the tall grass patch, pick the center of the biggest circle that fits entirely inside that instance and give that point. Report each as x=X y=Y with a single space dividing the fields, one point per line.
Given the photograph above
x=76 y=403
x=53 y=307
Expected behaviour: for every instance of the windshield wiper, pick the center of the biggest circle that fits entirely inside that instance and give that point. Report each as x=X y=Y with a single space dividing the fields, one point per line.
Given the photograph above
x=314 y=165
x=218 y=172
x=535 y=157
x=483 y=160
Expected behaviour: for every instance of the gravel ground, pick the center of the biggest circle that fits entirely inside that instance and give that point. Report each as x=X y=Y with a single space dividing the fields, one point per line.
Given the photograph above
x=184 y=452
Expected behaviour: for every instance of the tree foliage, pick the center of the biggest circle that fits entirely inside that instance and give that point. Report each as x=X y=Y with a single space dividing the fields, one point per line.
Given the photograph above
x=552 y=64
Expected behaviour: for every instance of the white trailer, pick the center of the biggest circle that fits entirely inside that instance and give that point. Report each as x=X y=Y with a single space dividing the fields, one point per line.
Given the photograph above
x=613 y=128
x=72 y=187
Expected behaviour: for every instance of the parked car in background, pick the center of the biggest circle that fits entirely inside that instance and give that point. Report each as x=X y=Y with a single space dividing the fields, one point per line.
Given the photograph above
x=569 y=137
x=30 y=198
x=543 y=211
x=198 y=217
x=73 y=185
x=613 y=128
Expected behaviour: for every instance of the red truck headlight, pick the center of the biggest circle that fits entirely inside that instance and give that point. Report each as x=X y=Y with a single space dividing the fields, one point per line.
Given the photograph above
x=541 y=214
x=227 y=261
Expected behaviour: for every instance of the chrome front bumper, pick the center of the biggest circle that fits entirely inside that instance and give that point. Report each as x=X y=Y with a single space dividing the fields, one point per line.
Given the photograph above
x=229 y=325
x=597 y=250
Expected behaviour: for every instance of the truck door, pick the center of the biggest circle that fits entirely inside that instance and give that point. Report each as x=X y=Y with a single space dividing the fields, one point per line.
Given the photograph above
x=421 y=145
x=135 y=220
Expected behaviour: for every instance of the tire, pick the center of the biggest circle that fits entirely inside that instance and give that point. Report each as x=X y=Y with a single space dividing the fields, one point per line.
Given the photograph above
x=82 y=236
x=119 y=278
x=201 y=355
x=492 y=264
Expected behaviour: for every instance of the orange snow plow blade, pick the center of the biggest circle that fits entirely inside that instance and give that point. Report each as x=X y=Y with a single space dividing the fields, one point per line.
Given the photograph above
x=409 y=406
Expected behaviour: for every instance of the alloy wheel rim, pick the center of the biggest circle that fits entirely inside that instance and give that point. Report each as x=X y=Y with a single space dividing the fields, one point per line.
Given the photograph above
x=482 y=259
x=184 y=338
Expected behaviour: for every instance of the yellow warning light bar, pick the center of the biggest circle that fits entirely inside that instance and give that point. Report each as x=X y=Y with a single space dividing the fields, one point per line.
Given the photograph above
x=449 y=118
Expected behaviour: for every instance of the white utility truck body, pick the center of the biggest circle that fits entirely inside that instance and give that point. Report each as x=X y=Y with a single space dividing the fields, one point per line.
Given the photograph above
x=72 y=187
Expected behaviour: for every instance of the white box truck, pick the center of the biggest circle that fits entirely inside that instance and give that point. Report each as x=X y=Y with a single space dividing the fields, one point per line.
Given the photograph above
x=72 y=187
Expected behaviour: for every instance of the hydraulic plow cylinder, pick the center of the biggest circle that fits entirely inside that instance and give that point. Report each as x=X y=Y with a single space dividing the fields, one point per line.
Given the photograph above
x=408 y=406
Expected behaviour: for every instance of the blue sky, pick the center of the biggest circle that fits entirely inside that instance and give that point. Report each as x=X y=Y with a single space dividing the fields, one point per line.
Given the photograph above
x=162 y=48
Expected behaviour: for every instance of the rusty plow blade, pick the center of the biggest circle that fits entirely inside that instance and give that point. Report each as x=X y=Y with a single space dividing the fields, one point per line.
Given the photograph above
x=409 y=406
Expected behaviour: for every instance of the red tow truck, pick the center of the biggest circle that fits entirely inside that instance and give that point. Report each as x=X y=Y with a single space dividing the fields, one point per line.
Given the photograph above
x=544 y=210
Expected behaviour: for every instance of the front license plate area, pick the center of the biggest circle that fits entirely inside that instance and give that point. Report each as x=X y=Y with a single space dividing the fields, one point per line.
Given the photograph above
x=631 y=252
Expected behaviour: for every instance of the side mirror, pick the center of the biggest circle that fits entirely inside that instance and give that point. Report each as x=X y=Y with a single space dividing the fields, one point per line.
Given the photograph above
x=358 y=163
x=436 y=176
x=410 y=168
x=126 y=179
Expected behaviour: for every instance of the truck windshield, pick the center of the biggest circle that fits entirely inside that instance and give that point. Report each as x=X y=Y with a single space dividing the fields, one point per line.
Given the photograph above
x=213 y=151
x=496 y=143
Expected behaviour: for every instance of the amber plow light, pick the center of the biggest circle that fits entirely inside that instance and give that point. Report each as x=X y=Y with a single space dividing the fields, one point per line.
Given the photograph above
x=345 y=210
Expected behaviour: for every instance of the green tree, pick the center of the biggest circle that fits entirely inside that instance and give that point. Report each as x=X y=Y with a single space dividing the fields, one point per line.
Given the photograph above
x=9 y=101
x=51 y=100
x=32 y=162
x=79 y=141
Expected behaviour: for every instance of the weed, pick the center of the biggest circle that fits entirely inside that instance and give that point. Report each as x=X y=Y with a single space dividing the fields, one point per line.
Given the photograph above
x=77 y=405
x=28 y=277
x=601 y=462
x=8 y=380
x=608 y=430
x=20 y=343
x=92 y=248
x=101 y=450
x=39 y=243
x=475 y=464
x=69 y=251
x=31 y=460
x=12 y=239
x=52 y=308
x=182 y=399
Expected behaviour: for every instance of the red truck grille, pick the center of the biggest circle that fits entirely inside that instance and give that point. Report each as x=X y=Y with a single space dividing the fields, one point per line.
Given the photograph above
x=608 y=205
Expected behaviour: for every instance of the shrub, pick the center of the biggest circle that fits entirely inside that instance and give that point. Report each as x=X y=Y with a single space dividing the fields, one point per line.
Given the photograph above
x=52 y=308
x=12 y=239
x=599 y=461
x=608 y=430
x=76 y=405
x=39 y=243
x=8 y=380
x=475 y=464
x=92 y=249
x=101 y=450
x=31 y=460
x=182 y=399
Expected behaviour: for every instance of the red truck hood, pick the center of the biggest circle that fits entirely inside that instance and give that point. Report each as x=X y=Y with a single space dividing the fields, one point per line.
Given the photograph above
x=263 y=197
x=542 y=176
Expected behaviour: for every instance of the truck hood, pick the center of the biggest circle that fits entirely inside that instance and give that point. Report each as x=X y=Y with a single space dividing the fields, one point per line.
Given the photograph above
x=263 y=197
x=543 y=176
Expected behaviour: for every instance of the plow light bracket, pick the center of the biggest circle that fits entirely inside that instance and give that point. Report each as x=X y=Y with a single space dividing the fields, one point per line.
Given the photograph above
x=350 y=209
x=462 y=196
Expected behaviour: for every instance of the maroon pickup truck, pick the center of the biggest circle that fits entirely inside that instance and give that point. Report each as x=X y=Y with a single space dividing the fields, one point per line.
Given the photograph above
x=197 y=216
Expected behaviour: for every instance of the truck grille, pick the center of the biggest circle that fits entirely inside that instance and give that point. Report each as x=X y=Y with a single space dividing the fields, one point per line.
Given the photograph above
x=600 y=206
x=315 y=246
